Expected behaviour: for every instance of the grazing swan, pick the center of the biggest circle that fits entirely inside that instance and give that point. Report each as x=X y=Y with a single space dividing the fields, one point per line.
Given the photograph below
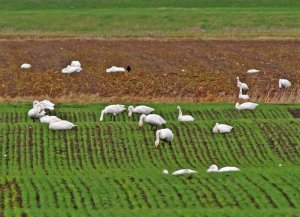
x=251 y=71
x=222 y=128
x=112 y=110
x=284 y=83
x=183 y=171
x=246 y=106
x=141 y=109
x=165 y=135
x=243 y=96
x=62 y=125
x=36 y=112
x=25 y=66
x=214 y=168
x=47 y=119
x=184 y=118
x=244 y=86
x=152 y=119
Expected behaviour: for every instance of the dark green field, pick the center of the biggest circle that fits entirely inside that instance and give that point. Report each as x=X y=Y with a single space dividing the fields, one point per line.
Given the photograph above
x=204 y=18
x=113 y=169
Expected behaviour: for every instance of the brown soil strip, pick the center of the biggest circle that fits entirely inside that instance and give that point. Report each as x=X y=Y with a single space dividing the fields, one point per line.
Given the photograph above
x=163 y=70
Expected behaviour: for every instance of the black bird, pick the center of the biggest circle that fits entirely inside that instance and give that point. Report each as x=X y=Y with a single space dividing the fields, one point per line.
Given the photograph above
x=128 y=68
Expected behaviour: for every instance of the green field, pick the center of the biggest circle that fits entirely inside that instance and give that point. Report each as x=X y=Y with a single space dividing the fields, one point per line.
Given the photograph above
x=111 y=168
x=201 y=18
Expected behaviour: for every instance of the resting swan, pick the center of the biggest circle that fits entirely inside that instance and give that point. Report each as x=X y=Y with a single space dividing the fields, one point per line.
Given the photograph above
x=183 y=171
x=45 y=104
x=36 y=112
x=25 y=66
x=243 y=96
x=62 y=125
x=246 y=106
x=165 y=135
x=184 y=118
x=47 y=119
x=222 y=128
x=214 y=168
x=152 y=119
x=284 y=83
x=112 y=110
x=141 y=109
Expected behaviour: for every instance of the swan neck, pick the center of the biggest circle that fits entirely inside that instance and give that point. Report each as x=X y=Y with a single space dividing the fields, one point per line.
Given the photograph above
x=157 y=138
x=102 y=114
x=141 y=120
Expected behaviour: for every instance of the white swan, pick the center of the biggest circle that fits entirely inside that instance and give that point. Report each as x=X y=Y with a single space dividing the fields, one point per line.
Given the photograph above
x=252 y=71
x=76 y=64
x=61 y=125
x=222 y=128
x=214 y=168
x=244 y=86
x=36 y=112
x=71 y=69
x=47 y=119
x=152 y=119
x=184 y=118
x=246 y=106
x=284 y=83
x=141 y=109
x=165 y=172
x=115 y=69
x=25 y=66
x=183 y=171
x=112 y=110
x=45 y=104
x=165 y=135
x=243 y=96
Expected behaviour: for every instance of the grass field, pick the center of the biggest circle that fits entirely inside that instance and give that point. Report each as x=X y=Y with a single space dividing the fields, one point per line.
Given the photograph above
x=112 y=168
x=245 y=19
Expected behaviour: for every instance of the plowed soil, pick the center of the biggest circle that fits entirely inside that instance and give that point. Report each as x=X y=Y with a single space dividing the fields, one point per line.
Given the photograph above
x=186 y=70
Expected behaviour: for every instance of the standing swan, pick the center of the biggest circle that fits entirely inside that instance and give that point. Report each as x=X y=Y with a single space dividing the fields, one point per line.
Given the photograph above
x=112 y=110
x=241 y=85
x=142 y=109
x=246 y=106
x=152 y=119
x=222 y=128
x=61 y=125
x=184 y=118
x=284 y=83
x=243 y=96
x=165 y=135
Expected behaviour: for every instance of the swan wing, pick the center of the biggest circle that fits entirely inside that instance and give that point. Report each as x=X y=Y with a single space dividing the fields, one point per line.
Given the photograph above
x=228 y=169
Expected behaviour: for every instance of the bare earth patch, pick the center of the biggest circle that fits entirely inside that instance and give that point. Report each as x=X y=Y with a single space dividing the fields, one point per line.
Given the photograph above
x=163 y=70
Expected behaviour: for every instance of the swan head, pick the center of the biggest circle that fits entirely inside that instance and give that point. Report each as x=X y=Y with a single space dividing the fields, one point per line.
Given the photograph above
x=35 y=102
x=213 y=168
x=178 y=107
x=237 y=78
x=237 y=105
x=143 y=116
x=130 y=109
